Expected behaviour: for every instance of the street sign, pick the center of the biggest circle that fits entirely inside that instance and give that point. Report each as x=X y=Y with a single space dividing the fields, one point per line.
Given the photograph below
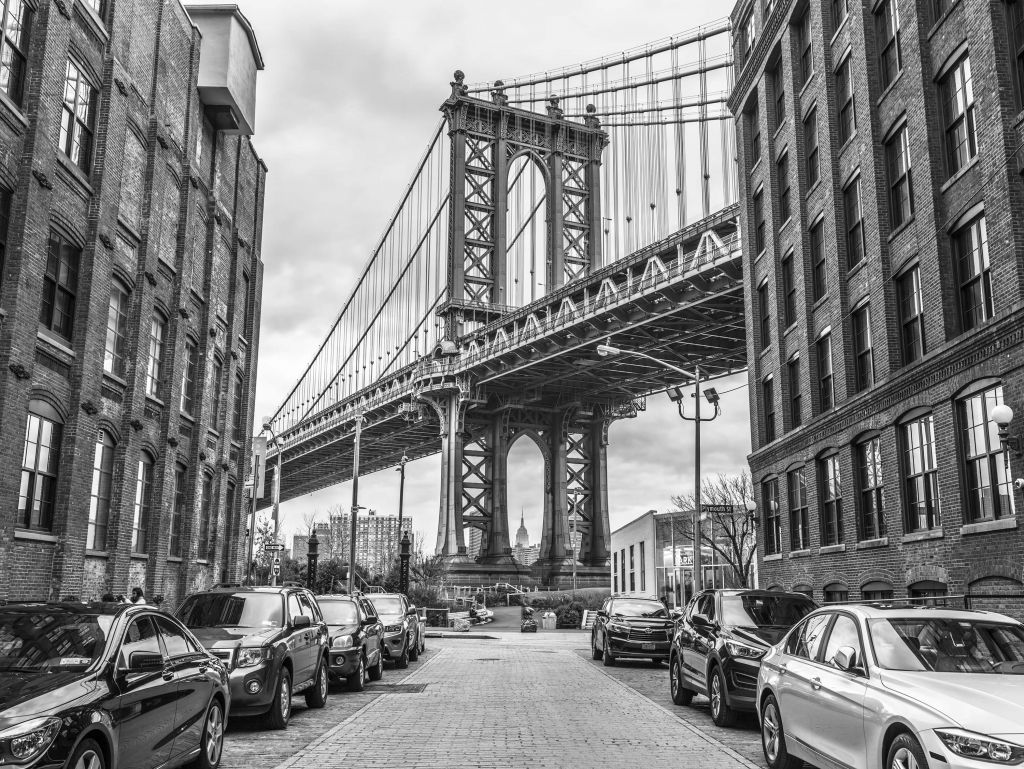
x=717 y=509
x=277 y=560
x=272 y=547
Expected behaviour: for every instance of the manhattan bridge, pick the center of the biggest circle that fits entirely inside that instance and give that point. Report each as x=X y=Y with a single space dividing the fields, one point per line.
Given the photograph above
x=548 y=214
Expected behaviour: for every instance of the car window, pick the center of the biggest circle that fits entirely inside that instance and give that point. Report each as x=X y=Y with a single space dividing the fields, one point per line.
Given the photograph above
x=638 y=607
x=243 y=609
x=843 y=633
x=317 y=614
x=753 y=610
x=367 y=609
x=706 y=605
x=139 y=640
x=807 y=640
x=948 y=645
x=294 y=609
x=175 y=642
x=306 y=607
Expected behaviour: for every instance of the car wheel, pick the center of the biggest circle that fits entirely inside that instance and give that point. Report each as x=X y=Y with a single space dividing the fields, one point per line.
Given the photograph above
x=423 y=643
x=88 y=755
x=680 y=694
x=357 y=681
x=414 y=651
x=316 y=696
x=607 y=658
x=906 y=753
x=721 y=713
x=212 y=746
x=402 y=662
x=377 y=671
x=281 y=708
x=595 y=653
x=773 y=738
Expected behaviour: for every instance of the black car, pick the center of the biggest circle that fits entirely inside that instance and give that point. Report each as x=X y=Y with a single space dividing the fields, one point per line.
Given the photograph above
x=719 y=642
x=273 y=641
x=107 y=686
x=356 y=638
x=631 y=627
x=401 y=626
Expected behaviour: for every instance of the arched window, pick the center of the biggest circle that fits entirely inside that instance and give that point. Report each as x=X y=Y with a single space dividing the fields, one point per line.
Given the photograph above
x=920 y=473
x=204 y=517
x=772 y=518
x=99 y=499
x=154 y=371
x=876 y=591
x=831 y=498
x=236 y=434
x=178 y=509
x=216 y=377
x=836 y=592
x=799 y=525
x=40 y=465
x=60 y=286
x=143 y=504
x=117 y=329
x=15 y=31
x=188 y=376
x=988 y=486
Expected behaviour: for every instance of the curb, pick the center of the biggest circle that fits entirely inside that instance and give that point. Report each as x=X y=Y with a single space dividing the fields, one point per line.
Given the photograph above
x=466 y=634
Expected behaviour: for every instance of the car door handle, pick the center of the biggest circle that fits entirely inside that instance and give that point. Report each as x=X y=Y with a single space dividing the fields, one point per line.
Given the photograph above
x=783 y=669
x=167 y=673
x=815 y=683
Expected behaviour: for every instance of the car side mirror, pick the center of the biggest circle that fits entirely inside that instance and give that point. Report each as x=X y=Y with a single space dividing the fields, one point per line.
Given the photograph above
x=367 y=621
x=700 y=620
x=144 y=662
x=676 y=613
x=301 y=620
x=846 y=659
x=411 y=611
x=602 y=613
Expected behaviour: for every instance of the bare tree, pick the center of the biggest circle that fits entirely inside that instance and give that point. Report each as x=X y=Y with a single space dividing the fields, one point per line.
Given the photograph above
x=338 y=523
x=731 y=532
x=310 y=519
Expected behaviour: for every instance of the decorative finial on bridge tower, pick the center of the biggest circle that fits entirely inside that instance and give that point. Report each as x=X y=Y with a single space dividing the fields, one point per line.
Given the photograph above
x=554 y=111
x=591 y=120
x=458 y=86
x=498 y=94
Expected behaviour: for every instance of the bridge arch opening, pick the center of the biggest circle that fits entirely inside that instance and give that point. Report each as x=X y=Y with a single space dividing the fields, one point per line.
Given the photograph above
x=528 y=494
x=526 y=230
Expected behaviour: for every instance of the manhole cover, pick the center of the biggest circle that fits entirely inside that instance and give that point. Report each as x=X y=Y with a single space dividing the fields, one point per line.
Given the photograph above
x=400 y=688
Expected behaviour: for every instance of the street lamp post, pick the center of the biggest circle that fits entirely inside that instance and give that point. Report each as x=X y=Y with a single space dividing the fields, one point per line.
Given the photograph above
x=312 y=557
x=401 y=492
x=751 y=507
x=277 y=489
x=355 y=506
x=676 y=395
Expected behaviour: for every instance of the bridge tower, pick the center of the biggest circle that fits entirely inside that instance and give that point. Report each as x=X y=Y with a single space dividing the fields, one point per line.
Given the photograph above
x=477 y=429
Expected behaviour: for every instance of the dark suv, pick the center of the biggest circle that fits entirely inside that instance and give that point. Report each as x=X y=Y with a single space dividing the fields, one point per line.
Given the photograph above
x=356 y=639
x=273 y=641
x=631 y=626
x=719 y=642
x=401 y=626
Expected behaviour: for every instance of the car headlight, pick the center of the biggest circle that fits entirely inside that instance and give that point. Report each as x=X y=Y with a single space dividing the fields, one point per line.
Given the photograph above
x=253 y=655
x=393 y=629
x=618 y=627
x=29 y=740
x=980 y=746
x=342 y=642
x=745 y=651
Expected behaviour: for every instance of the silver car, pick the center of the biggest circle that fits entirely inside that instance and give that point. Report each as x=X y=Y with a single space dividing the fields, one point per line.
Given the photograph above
x=900 y=688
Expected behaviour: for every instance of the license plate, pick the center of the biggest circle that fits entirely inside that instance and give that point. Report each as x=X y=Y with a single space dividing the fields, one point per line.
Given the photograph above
x=649 y=647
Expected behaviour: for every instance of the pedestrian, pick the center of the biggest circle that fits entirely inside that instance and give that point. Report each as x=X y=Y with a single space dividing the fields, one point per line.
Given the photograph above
x=137 y=595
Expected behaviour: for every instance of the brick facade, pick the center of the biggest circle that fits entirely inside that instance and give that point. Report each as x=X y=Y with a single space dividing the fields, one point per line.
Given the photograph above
x=171 y=210
x=960 y=554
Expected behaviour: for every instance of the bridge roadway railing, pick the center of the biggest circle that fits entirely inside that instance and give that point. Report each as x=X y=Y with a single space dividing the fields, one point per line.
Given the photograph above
x=618 y=283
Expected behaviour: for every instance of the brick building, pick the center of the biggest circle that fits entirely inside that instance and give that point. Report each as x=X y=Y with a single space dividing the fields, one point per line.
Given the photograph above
x=883 y=243
x=131 y=206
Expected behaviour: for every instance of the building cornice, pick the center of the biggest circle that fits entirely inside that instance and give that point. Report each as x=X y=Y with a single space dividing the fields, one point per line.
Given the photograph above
x=748 y=73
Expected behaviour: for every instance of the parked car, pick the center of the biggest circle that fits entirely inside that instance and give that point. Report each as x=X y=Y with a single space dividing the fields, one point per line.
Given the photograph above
x=719 y=641
x=400 y=627
x=107 y=686
x=421 y=630
x=865 y=686
x=273 y=641
x=356 y=636
x=631 y=626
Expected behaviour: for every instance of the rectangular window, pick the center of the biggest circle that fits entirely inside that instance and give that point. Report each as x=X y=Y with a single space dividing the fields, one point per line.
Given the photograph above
x=988 y=485
x=768 y=403
x=154 y=369
x=864 y=365
x=804 y=40
x=871 y=487
x=759 y=221
x=901 y=185
x=956 y=93
x=799 y=538
x=216 y=377
x=772 y=517
x=143 y=505
x=970 y=254
x=887 y=26
x=78 y=117
x=911 y=310
x=622 y=566
x=819 y=277
x=831 y=501
x=117 y=330
x=920 y=479
x=811 y=146
x=754 y=123
x=1015 y=10
x=749 y=36
x=60 y=284
x=615 y=572
x=643 y=568
x=236 y=421
x=789 y=290
x=840 y=10
x=783 y=181
x=795 y=397
x=97 y=6
x=39 y=465
x=854 y=224
x=177 y=510
x=826 y=388
x=99 y=499
x=245 y=304
x=5 y=223
x=779 y=90
x=632 y=570
x=204 y=517
x=189 y=372
x=765 y=312
x=844 y=97
x=15 y=26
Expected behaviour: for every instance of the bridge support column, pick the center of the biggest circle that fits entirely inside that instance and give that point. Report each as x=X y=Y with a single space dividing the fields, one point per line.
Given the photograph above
x=450 y=540
x=600 y=529
x=498 y=548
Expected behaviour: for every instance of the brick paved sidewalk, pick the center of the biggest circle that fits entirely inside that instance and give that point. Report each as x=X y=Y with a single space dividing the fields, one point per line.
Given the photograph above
x=510 y=704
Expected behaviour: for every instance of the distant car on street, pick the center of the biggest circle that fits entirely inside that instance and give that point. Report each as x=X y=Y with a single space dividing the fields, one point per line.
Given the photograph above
x=719 y=641
x=631 y=626
x=107 y=686
x=401 y=626
x=273 y=641
x=357 y=637
x=899 y=687
x=421 y=630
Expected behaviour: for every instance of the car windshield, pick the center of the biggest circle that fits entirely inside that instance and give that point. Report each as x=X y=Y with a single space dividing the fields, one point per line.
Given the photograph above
x=339 y=612
x=638 y=608
x=50 y=641
x=948 y=645
x=764 y=610
x=387 y=605
x=232 y=610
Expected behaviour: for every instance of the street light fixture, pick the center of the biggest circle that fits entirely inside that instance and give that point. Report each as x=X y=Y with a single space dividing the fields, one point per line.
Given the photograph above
x=268 y=427
x=401 y=492
x=1002 y=415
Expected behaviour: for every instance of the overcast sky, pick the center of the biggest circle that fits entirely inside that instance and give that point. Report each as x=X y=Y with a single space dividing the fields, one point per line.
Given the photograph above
x=345 y=107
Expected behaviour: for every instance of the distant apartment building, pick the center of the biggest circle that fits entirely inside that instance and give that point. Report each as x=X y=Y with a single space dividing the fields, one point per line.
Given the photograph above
x=377 y=539
x=131 y=207
x=880 y=171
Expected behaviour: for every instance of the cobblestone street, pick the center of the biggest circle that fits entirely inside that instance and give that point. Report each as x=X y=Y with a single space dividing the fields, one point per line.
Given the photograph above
x=511 y=701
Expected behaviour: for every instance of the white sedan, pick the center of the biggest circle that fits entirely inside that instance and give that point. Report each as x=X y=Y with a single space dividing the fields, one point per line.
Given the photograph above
x=901 y=688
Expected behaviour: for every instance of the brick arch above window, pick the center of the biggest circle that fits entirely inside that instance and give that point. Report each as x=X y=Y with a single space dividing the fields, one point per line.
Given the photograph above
x=46 y=404
x=914 y=413
x=107 y=425
x=977 y=386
